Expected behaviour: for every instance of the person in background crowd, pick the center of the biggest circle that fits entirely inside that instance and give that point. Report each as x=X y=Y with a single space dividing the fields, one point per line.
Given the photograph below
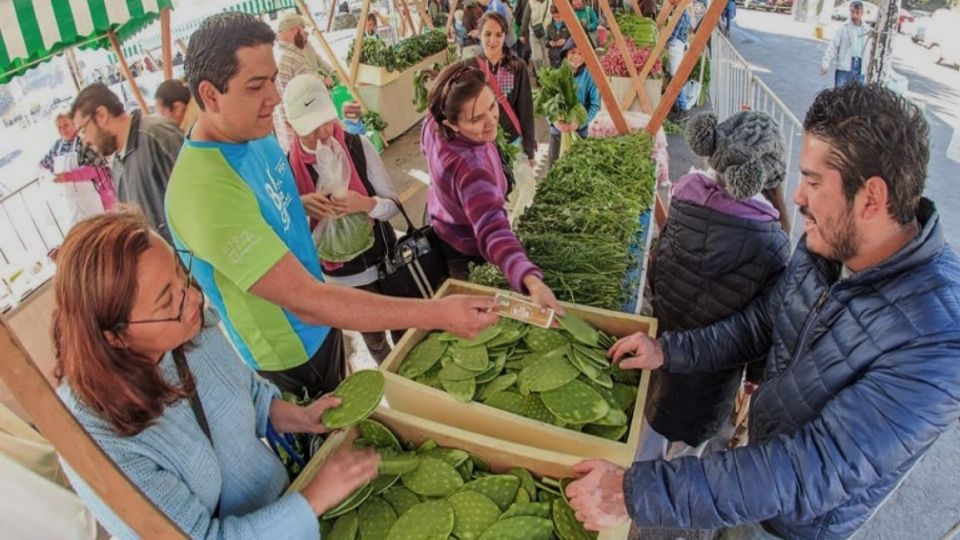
x=648 y=8
x=588 y=18
x=468 y=186
x=507 y=76
x=723 y=247
x=522 y=47
x=169 y=402
x=501 y=8
x=70 y=160
x=233 y=204
x=173 y=102
x=861 y=335
x=146 y=148
x=849 y=49
x=677 y=47
x=471 y=46
x=587 y=94
x=726 y=18
x=294 y=56
x=535 y=22
x=370 y=27
x=321 y=148
x=345 y=20
x=557 y=37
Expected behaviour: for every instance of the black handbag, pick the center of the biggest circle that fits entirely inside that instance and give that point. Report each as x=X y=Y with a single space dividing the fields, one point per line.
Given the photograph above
x=415 y=266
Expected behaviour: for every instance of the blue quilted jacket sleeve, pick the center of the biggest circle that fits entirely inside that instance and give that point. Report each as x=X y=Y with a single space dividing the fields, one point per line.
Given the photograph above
x=728 y=343
x=874 y=427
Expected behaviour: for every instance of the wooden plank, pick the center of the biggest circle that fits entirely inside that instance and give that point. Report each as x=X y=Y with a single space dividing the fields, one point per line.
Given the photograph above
x=423 y=401
x=636 y=8
x=76 y=446
x=658 y=49
x=167 y=43
x=625 y=52
x=115 y=44
x=330 y=16
x=707 y=24
x=405 y=12
x=358 y=43
x=579 y=36
x=665 y=11
x=453 y=8
x=425 y=19
x=334 y=61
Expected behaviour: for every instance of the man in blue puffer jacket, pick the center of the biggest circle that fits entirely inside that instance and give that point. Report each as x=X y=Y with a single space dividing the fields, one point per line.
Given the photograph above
x=863 y=334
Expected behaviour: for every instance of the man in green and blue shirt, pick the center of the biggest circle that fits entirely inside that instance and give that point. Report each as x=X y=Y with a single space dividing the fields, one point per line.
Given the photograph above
x=232 y=202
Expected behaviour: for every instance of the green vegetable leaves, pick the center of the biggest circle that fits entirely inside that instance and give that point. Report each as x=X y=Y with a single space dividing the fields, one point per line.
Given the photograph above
x=376 y=52
x=557 y=97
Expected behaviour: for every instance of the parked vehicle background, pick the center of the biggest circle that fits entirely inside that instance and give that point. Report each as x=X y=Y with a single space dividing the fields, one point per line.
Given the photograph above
x=942 y=37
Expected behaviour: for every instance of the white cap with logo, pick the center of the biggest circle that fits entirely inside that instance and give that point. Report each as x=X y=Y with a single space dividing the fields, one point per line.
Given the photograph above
x=307 y=104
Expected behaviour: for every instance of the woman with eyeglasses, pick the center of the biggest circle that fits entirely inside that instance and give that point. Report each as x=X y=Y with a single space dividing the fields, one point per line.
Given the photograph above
x=168 y=399
x=468 y=187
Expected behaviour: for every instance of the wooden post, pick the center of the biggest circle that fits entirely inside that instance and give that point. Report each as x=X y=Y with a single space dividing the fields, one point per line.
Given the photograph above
x=358 y=43
x=665 y=11
x=405 y=9
x=115 y=43
x=631 y=69
x=166 y=37
x=74 y=68
x=453 y=8
x=636 y=8
x=75 y=445
x=707 y=24
x=424 y=14
x=330 y=16
x=661 y=43
x=334 y=61
x=579 y=36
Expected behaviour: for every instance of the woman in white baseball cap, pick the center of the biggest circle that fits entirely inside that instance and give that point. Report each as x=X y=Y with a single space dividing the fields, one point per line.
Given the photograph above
x=340 y=176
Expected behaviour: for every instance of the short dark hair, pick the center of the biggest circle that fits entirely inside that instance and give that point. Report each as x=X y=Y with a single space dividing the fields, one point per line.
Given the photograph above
x=173 y=91
x=874 y=132
x=212 y=53
x=92 y=97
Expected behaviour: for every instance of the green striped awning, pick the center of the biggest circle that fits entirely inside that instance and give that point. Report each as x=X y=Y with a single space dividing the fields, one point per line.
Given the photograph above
x=256 y=7
x=33 y=31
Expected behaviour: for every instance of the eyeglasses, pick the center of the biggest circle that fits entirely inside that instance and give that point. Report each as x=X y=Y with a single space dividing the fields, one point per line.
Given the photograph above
x=82 y=129
x=188 y=282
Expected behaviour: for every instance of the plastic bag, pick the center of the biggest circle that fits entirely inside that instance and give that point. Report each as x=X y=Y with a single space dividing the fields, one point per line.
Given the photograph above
x=343 y=238
x=522 y=195
x=691 y=95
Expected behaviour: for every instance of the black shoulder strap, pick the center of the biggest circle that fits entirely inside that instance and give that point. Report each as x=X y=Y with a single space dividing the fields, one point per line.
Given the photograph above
x=355 y=146
x=183 y=370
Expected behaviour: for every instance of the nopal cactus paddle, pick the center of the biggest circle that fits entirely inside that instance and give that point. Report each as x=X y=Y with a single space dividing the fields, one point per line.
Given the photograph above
x=359 y=394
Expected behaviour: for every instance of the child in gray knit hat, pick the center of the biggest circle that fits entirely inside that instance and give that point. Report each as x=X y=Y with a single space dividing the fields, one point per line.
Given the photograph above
x=722 y=247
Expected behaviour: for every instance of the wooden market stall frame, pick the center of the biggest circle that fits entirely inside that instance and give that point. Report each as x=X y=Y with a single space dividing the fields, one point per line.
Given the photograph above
x=35 y=394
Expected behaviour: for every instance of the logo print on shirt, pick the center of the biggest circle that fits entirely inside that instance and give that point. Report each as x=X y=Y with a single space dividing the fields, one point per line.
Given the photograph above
x=279 y=198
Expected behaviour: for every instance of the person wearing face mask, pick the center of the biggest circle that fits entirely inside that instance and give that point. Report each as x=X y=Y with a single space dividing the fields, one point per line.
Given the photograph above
x=144 y=147
x=322 y=148
x=233 y=203
x=587 y=94
x=508 y=78
x=295 y=56
x=167 y=400
x=70 y=160
x=861 y=335
x=468 y=186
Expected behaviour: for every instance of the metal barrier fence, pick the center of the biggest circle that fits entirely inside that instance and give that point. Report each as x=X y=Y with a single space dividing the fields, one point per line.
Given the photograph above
x=734 y=87
x=29 y=228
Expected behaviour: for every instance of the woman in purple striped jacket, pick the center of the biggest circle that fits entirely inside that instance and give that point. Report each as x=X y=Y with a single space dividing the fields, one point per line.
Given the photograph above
x=467 y=182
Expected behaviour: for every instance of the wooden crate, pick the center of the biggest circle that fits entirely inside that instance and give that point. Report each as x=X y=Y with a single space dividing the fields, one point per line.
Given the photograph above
x=425 y=402
x=390 y=93
x=501 y=455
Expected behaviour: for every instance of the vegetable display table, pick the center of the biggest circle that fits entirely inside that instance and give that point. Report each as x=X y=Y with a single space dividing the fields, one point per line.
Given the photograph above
x=390 y=93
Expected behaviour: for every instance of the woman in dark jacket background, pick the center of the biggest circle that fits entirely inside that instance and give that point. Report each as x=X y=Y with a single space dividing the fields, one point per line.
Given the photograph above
x=724 y=245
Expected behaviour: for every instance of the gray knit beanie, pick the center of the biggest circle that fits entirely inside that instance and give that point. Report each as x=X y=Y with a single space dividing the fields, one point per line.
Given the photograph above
x=746 y=150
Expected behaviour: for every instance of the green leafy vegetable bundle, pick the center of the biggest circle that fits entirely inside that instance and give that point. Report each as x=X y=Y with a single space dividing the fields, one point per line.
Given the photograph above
x=642 y=30
x=376 y=52
x=557 y=101
x=583 y=226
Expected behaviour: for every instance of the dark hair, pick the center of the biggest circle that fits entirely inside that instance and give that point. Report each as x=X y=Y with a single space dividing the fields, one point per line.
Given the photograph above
x=94 y=96
x=457 y=84
x=212 y=53
x=173 y=91
x=510 y=58
x=94 y=288
x=874 y=132
x=372 y=17
x=471 y=17
x=554 y=8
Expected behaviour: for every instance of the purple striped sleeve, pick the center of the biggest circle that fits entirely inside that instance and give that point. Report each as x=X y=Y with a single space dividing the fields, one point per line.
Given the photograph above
x=483 y=203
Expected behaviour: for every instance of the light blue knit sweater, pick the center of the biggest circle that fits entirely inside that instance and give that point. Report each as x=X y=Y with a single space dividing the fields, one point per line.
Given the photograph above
x=173 y=463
